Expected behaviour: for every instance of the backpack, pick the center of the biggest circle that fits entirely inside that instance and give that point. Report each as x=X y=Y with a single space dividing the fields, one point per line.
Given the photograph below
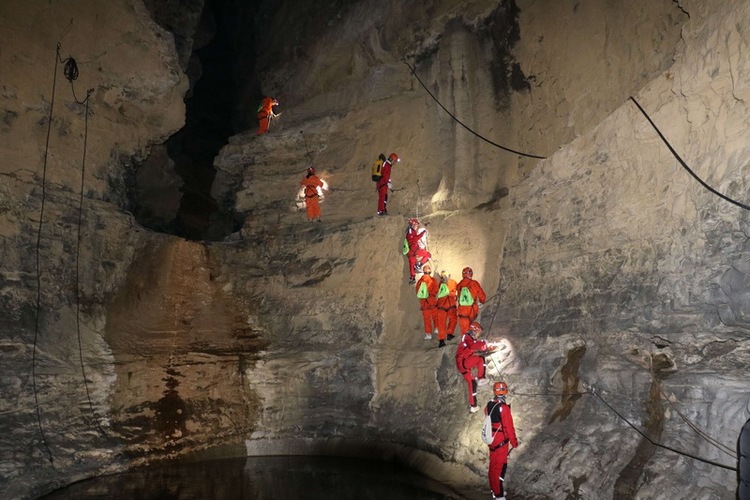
x=465 y=298
x=422 y=293
x=487 y=435
x=405 y=250
x=377 y=168
x=443 y=291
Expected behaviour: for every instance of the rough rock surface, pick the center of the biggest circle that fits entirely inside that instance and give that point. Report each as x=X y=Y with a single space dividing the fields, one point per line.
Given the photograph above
x=617 y=283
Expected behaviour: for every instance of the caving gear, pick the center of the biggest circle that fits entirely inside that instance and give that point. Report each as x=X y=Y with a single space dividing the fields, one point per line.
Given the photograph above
x=311 y=171
x=500 y=388
x=504 y=436
x=467 y=272
x=393 y=158
x=475 y=328
x=377 y=168
x=465 y=298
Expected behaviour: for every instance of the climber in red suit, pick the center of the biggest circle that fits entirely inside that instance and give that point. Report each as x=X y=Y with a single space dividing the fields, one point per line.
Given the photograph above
x=504 y=436
x=384 y=184
x=467 y=359
x=416 y=240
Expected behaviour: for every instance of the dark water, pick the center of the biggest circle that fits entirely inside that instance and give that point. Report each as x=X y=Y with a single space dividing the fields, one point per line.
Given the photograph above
x=262 y=478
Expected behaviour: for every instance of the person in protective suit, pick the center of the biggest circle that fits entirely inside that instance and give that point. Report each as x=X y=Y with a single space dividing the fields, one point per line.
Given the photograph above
x=416 y=241
x=504 y=436
x=384 y=183
x=467 y=359
x=447 y=317
x=265 y=113
x=427 y=289
x=470 y=295
x=312 y=184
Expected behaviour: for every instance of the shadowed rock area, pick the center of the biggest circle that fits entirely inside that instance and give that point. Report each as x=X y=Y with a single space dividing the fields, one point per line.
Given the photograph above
x=616 y=282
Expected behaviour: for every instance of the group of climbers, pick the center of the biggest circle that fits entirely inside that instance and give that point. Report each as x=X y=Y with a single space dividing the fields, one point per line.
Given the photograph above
x=444 y=304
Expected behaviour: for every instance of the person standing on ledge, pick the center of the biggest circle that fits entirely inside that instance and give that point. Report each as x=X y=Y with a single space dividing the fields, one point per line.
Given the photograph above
x=427 y=288
x=384 y=184
x=470 y=297
x=504 y=434
x=312 y=185
x=265 y=113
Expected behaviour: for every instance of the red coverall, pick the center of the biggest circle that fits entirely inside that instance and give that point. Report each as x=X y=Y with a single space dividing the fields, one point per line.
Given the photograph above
x=382 y=187
x=415 y=239
x=467 y=314
x=466 y=360
x=502 y=423
x=447 y=317
x=264 y=115
x=429 y=305
x=312 y=183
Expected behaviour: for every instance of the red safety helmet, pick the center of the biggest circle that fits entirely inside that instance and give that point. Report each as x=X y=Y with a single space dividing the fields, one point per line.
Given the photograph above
x=475 y=327
x=311 y=170
x=500 y=388
x=467 y=272
x=413 y=220
x=393 y=158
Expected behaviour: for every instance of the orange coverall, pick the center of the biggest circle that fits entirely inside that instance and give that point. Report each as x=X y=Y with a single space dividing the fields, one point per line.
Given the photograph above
x=312 y=183
x=265 y=114
x=447 y=316
x=429 y=305
x=467 y=314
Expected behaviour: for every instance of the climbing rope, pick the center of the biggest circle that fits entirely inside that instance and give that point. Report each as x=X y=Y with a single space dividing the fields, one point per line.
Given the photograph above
x=684 y=165
x=413 y=72
x=71 y=74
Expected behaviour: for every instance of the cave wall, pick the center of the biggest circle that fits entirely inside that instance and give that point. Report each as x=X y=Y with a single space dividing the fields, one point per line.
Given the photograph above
x=627 y=280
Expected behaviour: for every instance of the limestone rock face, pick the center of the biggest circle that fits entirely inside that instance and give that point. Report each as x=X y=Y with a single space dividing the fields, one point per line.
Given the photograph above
x=617 y=284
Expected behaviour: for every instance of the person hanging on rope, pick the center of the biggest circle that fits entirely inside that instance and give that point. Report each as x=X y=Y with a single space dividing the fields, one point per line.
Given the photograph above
x=313 y=187
x=265 y=113
x=504 y=436
x=447 y=317
x=416 y=248
x=384 y=183
x=470 y=297
x=427 y=289
x=468 y=359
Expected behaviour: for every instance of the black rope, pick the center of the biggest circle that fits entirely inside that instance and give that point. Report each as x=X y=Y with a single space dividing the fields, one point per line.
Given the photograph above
x=684 y=165
x=413 y=72
x=38 y=262
x=660 y=445
x=78 y=257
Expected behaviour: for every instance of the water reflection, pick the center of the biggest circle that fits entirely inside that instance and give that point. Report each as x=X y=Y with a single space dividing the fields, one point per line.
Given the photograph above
x=262 y=478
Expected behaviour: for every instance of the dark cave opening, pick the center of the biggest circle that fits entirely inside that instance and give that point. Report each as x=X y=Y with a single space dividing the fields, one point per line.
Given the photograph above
x=172 y=192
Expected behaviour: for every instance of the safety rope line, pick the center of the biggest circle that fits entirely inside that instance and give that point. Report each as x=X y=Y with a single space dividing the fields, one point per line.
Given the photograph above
x=656 y=443
x=684 y=165
x=78 y=252
x=711 y=440
x=38 y=262
x=528 y=155
x=70 y=72
x=639 y=431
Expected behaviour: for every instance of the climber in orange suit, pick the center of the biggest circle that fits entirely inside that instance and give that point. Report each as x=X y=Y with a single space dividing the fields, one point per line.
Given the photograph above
x=470 y=295
x=265 y=113
x=312 y=183
x=447 y=316
x=427 y=289
x=467 y=358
